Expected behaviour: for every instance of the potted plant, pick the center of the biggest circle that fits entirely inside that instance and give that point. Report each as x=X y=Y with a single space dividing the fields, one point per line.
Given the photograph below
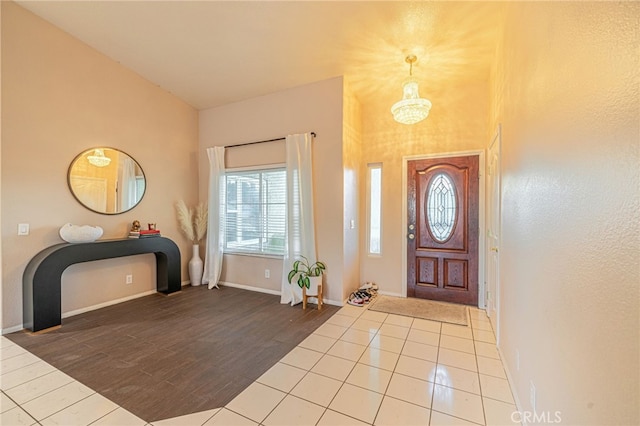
x=306 y=272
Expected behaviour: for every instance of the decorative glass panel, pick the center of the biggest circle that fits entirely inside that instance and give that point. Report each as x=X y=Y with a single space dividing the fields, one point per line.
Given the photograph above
x=441 y=208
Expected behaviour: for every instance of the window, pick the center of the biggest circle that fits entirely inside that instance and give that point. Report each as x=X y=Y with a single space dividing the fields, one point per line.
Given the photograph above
x=255 y=211
x=374 y=208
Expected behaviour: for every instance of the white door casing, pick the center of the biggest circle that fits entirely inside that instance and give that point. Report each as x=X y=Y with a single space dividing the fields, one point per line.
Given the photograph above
x=494 y=207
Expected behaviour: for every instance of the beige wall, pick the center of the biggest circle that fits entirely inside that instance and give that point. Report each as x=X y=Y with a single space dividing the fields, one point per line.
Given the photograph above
x=566 y=93
x=460 y=124
x=60 y=97
x=316 y=107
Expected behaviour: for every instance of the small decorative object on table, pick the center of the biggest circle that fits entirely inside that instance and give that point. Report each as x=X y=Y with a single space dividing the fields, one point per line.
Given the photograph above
x=80 y=234
x=193 y=223
x=308 y=273
x=137 y=232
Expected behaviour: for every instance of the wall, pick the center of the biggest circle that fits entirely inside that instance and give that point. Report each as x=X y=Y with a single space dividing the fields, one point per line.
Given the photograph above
x=456 y=123
x=351 y=157
x=60 y=97
x=316 y=107
x=566 y=93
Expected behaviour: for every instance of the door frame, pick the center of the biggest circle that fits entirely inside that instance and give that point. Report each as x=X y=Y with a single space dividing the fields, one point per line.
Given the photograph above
x=481 y=215
x=495 y=320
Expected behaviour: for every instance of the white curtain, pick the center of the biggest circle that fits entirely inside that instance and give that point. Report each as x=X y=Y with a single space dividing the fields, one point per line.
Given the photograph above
x=128 y=193
x=216 y=223
x=300 y=234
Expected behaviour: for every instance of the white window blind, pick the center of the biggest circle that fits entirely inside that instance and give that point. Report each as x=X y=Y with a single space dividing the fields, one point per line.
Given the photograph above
x=255 y=211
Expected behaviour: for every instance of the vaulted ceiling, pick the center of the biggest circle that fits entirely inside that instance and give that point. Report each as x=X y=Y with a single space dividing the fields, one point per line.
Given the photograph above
x=211 y=53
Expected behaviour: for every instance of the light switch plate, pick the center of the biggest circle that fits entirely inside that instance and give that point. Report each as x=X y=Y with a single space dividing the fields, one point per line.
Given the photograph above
x=23 y=229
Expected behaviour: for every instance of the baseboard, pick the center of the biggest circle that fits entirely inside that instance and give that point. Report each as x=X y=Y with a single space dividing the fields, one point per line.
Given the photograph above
x=12 y=329
x=514 y=392
x=183 y=283
x=389 y=293
x=250 y=288
x=105 y=304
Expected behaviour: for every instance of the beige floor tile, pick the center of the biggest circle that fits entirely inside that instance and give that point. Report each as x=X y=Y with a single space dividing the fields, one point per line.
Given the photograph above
x=347 y=350
x=394 y=412
x=458 y=403
x=226 y=417
x=18 y=361
x=481 y=325
x=419 y=350
x=457 y=359
x=457 y=331
x=424 y=337
x=426 y=325
x=502 y=414
x=333 y=418
x=16 y=417
x=374 y=316
x=301 y=358
x=356 y=402
x=366 y=325
x=282 y=377
x=11 y=351
x=57 y=400
x=411 y=390
x=491 y=367
x=25 y=374
x=396 y=331
x=334 y=367
x=82 y=412
x=484 y=336
x=458 y=378
x=5 y=343
x=379 y=358
x=317 y=389
x=351 y=311
x=369 y=377
x=487 y=350
x=441 y=419
x=6 y=403
x=457 y=344
x=121 y=417
x=387 y=343
x=39 y=386
x=294 y=411
x=256 y=401
x=358 y=336
x=330 y=330
x=417 y=368
x=400 y=320
x=341 y=320
x=318 y=343
x=496 y=388
x=480 y=314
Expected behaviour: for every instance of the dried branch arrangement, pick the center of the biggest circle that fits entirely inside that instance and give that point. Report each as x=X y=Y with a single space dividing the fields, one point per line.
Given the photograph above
x=192 y=220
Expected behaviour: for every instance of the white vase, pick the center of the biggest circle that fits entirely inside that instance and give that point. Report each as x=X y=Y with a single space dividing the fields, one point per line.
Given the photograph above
x=195 y=267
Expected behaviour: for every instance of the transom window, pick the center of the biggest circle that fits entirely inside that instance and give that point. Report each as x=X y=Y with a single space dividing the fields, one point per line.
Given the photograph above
x=255 y=211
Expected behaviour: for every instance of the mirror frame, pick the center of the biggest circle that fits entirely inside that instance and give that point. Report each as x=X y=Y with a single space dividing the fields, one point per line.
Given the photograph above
x=86 y=152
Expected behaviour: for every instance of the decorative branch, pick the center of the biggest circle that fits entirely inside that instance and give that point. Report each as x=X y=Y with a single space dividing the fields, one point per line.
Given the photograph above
x=185 y=215
x=200 y=221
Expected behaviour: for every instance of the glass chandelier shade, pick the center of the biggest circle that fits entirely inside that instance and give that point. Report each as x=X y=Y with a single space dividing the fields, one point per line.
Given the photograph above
x=412 y=108
x=98 y=158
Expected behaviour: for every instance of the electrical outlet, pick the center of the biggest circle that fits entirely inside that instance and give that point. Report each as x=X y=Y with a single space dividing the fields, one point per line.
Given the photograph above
x=532 y=396
x=129 y=279
x=517 y=360
x=267 y=273
x=23 y=229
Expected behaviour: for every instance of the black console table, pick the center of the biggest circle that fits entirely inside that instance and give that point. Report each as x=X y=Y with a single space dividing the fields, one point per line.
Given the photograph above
x=42 y=278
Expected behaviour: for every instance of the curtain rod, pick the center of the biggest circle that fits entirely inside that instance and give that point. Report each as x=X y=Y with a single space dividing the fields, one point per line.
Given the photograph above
x=268 y=140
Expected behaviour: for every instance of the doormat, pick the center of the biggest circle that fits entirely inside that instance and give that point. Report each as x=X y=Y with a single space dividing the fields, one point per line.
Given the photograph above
x=420 y=308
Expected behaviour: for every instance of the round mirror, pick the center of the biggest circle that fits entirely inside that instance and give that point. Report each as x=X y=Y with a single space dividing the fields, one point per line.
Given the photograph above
x=106 y=180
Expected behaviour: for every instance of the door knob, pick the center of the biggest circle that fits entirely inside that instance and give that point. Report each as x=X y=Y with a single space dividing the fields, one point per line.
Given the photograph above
x=494 y=249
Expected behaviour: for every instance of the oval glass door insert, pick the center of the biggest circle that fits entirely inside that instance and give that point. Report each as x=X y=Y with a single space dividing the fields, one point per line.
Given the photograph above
x=441 y=207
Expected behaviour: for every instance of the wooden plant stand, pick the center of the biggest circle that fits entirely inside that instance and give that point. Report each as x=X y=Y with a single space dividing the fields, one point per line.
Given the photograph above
x=305 y=297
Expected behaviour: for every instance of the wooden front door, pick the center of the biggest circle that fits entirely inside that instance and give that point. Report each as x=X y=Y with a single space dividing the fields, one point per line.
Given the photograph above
x=442 y=239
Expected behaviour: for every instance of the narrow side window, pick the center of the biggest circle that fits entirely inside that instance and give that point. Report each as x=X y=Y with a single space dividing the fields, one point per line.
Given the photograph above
x=374 y=208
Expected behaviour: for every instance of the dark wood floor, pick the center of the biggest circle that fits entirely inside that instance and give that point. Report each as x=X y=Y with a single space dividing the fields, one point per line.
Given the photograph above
x=166 y=356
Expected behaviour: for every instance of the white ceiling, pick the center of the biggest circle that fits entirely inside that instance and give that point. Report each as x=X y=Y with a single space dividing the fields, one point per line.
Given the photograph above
x=211 y=53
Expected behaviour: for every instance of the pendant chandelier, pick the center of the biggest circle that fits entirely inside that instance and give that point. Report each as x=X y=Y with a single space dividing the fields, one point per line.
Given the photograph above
x=412 y=108
x=98 y=158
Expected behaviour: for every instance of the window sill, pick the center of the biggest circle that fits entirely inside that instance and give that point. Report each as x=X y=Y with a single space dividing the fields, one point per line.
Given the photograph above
x=266 y=256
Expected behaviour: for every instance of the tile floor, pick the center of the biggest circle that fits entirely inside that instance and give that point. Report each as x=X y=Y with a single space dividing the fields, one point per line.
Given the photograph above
x=359 y=368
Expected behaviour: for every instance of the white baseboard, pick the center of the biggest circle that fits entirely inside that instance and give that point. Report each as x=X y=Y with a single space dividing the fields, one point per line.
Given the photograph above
x=390 y=293
x=510 y=379
x=250 y=288
x=12 y=329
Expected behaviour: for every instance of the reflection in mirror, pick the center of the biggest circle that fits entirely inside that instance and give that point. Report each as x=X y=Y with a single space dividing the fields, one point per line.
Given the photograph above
x=106 y=180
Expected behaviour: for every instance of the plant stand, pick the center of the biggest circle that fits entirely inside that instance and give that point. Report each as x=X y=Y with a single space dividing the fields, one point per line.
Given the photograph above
x=305 y=297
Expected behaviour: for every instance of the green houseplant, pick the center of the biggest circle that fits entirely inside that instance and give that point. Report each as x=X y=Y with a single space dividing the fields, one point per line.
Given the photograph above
x=304 y=271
